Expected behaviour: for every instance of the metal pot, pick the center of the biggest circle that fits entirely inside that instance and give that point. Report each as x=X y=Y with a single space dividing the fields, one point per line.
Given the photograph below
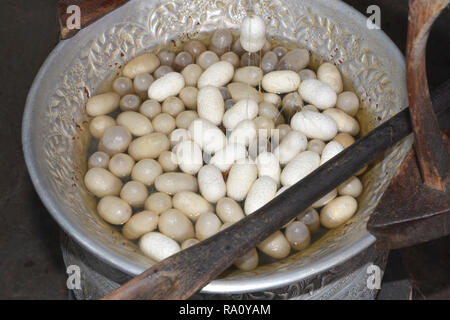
x=55 y=126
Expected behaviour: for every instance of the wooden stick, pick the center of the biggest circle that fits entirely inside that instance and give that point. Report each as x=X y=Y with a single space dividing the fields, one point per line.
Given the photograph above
x=185 y=273
x=91 y=11
x=432 y=155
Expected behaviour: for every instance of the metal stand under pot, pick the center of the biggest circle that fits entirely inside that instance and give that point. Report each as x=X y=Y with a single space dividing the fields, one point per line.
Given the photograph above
x=354 y=279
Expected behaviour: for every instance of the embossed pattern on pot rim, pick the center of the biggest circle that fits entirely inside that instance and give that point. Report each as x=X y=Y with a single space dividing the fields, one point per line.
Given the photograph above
x=55 y=137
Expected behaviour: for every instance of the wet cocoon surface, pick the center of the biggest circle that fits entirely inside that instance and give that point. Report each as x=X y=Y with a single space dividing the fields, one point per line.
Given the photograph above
x=146 y=171
x=100 y=124
x=158 y=202
x=294 y=143
x=318 y=93
x=217 y=75
x=115 y=140
x=175 y=225
x=311 y=219
x=208 y=224
x=208 y=136
x=169 y=85
x=140 y=224
x=146 y=63
x=351 y=187
x=262 y=191
x=331 y=150
x=253 y=33
x=134 y=193
x=210 y=104
x=298 y=236
x=102 y=104
x=157 y=246
x=248 y=261
x=245 y=109
x=211 y=183
x=224 y=158
x=275 y=246
x=121 y=165
x=114 y=210
x=136 y=123
x=315 y=125
x=329 y=74
x=345 y=123
x=229 y=211
x=149 y=146
x=338 y=211
x=191 y=204
x=281 y=81
x=299 y=167
x=241 y=91
x=174 y=182
x=189 y=156
x=240 y=179
x=102 y=183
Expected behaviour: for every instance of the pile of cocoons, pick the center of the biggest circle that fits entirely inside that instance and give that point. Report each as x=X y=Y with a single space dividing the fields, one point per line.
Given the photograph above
x=192 y=141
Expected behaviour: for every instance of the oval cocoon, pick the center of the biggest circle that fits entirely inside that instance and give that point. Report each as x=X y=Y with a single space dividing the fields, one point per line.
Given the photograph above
x=262 y=191
x=191 y=204
x=208 y=136
x=167 y=86
x=315 y=125
x=253 y=33
x=224 y=158
x=189 y=156
x=210 y=104
x=229 y=211
x=331 y=149
x=217 y=75
x=328 y=73
x=114 y=210
x=246 y=109
x=268 y=165
x=174 y=182
x=102 y=183
x=157 y=246
x=345 y=123
x=275 y=246
x=240 y=179
x=239 y=91
x=138 y=124
x=338 y=211
x=294 y=143
x=146 y=63
x=299 y=167
x=283 y=81
x=211 y=183
x=149 y=146
x=102 y=104
x=318 y=93
x=249 y=75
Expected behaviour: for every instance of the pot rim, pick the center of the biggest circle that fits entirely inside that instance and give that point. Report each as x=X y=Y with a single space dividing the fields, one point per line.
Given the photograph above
x=231 y=286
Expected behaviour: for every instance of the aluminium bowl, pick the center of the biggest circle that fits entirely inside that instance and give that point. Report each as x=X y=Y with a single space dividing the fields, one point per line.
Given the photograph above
x=55 y=126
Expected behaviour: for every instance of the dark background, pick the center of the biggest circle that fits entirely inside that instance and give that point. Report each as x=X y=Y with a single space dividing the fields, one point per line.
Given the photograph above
x=31 y=264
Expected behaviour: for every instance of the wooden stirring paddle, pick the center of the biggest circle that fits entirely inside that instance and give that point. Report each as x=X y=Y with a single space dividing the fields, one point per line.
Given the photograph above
x=185 y=273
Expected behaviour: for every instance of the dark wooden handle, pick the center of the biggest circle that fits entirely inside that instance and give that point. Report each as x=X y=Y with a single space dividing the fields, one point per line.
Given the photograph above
x=432 y=154
x=90 y=11
x=185 y=273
